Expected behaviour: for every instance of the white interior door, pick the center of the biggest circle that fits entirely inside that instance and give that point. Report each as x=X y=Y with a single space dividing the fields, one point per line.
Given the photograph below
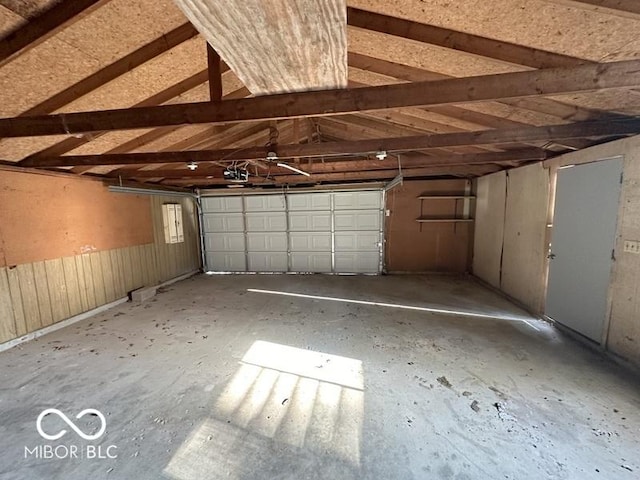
x=582 y=244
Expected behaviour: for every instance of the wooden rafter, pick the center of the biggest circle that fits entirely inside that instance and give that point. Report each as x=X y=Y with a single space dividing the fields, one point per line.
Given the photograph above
x=413 y=74
x=44 y=26
x=353 y=165
x=215 y=74
x=583 y=78
x=169 y=93
x=465 y=42
x=336 y=177
x=624 y=7
x=146 y=137
x=121 y=66
x=370 y=127
x=391 y=145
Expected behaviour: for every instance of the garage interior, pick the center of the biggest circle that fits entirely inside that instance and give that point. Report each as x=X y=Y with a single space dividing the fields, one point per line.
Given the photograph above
x=320 y=239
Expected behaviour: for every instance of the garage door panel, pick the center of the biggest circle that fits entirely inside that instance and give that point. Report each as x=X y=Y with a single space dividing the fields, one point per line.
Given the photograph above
x=311 y=262
x=267 y=242
x=357 y=241
x=310 y=242
x=357 y=200
x=226 y=262
x=266 y=222
x=224 y=242
x=309 y=221
x=357 y=220
x=268 y=262
x=298 y=232
x=264 y=203
x=357 y=262
x=222 y=204
x=309 y=201
x=223 y=222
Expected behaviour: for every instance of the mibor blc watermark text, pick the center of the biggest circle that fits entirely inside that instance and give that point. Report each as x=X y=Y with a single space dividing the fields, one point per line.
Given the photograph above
x=67 y=451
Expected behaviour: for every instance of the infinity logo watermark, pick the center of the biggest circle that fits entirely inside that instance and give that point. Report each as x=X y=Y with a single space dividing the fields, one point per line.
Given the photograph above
x=61 y=433
x=71 y=451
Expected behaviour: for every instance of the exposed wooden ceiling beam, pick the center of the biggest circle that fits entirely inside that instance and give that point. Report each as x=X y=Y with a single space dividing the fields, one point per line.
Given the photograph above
x=375 y=128
x=206 y=139
x=413 y=74
x=144 y=139
x=215 y=74
x=629 y=8
x=121 y=66
x=583 y=78
x=464 y=171
x=352 y=165
x=423 y=116
x=326 y=149
x=167 y=94
x=44 y=26
x=465 y=42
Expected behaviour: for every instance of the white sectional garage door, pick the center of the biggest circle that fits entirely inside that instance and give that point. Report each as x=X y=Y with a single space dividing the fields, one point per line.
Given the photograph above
x=318 y=232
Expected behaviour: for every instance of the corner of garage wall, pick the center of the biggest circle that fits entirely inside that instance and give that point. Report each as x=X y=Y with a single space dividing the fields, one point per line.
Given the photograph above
x=510 y=243
x=43 y=291
x=511 y=238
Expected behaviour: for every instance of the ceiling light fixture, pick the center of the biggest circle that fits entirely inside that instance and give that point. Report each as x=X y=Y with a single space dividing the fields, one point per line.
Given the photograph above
x=272 y=156
x=192 y=166
x=293 y=169
x=381 y=154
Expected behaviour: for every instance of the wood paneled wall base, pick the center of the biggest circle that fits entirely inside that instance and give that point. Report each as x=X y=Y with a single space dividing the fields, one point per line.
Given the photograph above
x=39 y=294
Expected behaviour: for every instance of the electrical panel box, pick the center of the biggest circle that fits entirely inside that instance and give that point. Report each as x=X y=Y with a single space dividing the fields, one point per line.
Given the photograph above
x=172 y=221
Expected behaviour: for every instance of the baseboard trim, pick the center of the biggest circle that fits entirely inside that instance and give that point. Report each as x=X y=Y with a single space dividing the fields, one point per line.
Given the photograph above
x=179 y=278
x=61 y=324
x=81 y=316
x=597 y=348
x=515 y=301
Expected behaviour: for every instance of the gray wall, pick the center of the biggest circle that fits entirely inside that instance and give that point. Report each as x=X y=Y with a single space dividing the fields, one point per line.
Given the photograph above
x=522 y=270
x=511 y=229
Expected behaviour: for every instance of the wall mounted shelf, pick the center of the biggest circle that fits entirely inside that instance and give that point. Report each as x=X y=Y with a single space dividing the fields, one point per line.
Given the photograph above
x=456 y=217
x=444 y=220
x=444 y=197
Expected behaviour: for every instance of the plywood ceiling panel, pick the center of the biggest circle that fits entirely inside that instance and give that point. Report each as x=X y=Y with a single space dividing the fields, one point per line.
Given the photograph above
x=9 y=21
x=428 y=57
x=14 y=149
x=148 y=79
x=29 y=9
x=277 y=46
x=549 y=25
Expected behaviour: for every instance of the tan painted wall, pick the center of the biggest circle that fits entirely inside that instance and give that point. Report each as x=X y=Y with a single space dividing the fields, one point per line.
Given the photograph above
x=524 y=255
x=515 y=204
x=430 y=247
x=491 y=193
x=46 y=217
x=37 y=294
x=623 y=332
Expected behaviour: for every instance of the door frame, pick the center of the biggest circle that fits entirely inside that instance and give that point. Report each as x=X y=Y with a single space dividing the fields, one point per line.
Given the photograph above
x=553 y=183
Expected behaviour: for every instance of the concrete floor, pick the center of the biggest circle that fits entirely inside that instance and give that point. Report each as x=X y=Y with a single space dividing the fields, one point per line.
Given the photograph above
x=209 y=380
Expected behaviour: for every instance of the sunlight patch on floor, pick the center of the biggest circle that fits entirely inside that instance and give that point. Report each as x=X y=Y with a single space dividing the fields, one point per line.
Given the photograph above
x=310 y=403
x=444 y=311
